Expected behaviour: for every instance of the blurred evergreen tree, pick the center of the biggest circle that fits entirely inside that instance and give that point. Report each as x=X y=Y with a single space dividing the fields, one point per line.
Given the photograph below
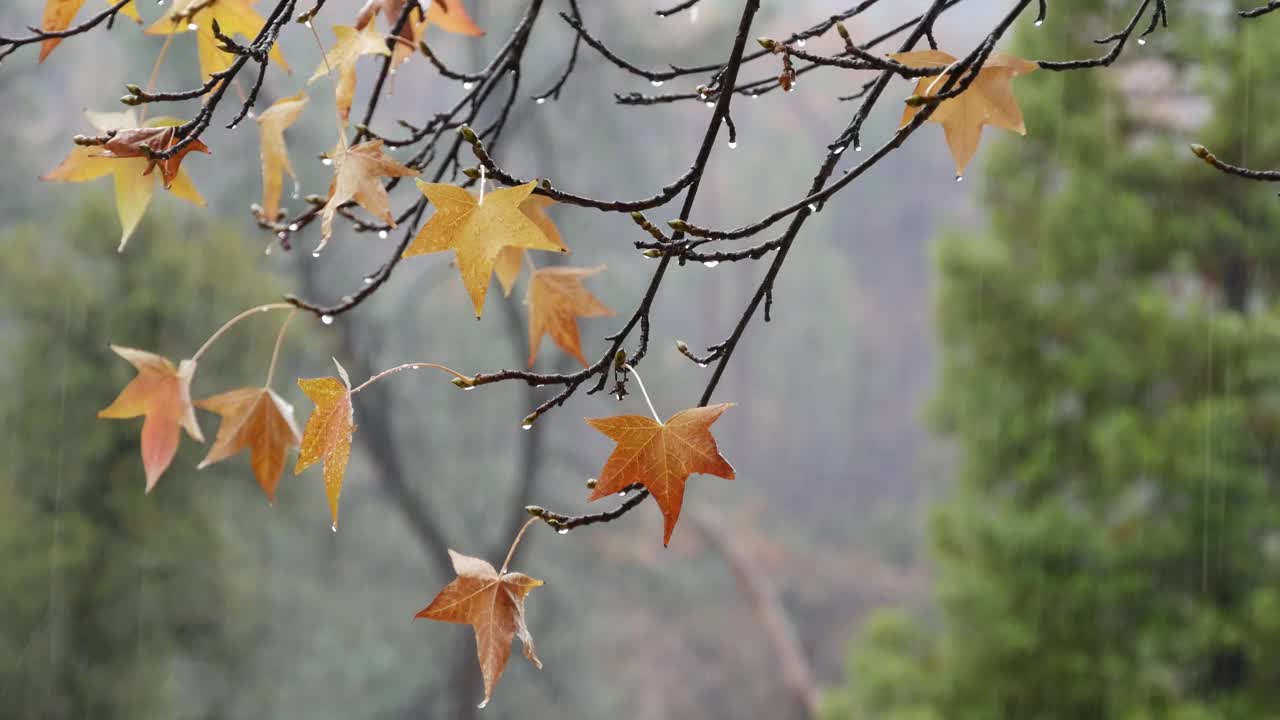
x=1111 y=373
x=118 y=604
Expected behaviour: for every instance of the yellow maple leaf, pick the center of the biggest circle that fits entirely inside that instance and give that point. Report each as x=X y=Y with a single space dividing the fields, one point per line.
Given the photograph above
x=275 y=155
x=342 y=57
x=235 y=17
x=133 y=186
x=477 y=232
x=556 y=300
x=58 y=15
x=988 y=101
x=327 y=437
x=511 y=259
x=357 y=173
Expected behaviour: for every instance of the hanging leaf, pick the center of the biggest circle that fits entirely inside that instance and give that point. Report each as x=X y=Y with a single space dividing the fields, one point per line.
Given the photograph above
x=493 y=604
x=327 y=437
x=988 y=101
x=162 y=393
x=58 y=15
x=275 y=155
x=478 y=232
x=133 y=186
x=258 y=420
x=661 y=456
x=357 y=176
x=342 y=57
x=235 y=17
x=556 y=300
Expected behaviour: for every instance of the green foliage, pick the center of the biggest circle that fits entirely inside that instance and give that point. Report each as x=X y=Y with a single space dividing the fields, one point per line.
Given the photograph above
x=1111 y=364
x=113 y=600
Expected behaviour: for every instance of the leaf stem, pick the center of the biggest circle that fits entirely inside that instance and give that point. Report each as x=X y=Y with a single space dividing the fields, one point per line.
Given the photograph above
x=515 y=543
x=275 y=352
x=407 y=366
x=155 y=74
x=643 y=392
x=227 y=326
x=328 y=69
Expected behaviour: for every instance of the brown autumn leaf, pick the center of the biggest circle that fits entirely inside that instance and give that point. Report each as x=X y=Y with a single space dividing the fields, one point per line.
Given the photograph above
x=58 y=15
x=988 y=101
x=142 y=142
x=235 y=17
x=451 y=16
x=341 y=59
x=478 y=232
x=493 y=604
x=162 y=393
x=661 y=456
x=511 y=259
x=556 y=300
x=327 y=437
x=275 y=155
x=409 y=35
x=357 y=176
x=133 y=188
x=256 y=419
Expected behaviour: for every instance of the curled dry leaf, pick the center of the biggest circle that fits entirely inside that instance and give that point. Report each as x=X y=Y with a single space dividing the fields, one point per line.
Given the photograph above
x=556 y=300
x=133 y=186
x=493 y=604
x=327 y=437
x=275 y=155
x=357 y=173
x=235 y=17
x=145 y=141
x=258 y=420
x=661 y=456
x=988 y=101
x=511 y=259
x=342 y=57
x=162 y=393
x=478 y=232
x=58 y=15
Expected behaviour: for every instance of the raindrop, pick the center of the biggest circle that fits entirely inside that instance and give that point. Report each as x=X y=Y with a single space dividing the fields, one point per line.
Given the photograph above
x=541 y=101
x=733 y=144
x=468 y=85
x=293 y=227
x=1039 y=23
x=562 y=531
x=233 y=127
x=693 y=15
x=800 y=42
x=308 y=24
x=857 y=148
x=482 y=704
x=959 y=178
x=469 y=387
x=192 y=26
x=813 y=207
x=702 y=365
x=1142 y=41
x=382 y=234
x=622 y=494
x=710 y=104
x=326 y=161
x=267 y=251
x=326 y=319
x=315 y=253
x=839 y=150
x=711 y=263
x=251 y=115
x=656 y=83
x=527 y=426
x=368 y=279
x=334 y=527
x=282 y=235
x=755 y=96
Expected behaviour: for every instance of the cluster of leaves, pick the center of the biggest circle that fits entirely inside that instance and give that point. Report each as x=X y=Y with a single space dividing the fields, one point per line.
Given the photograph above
x=489 y=231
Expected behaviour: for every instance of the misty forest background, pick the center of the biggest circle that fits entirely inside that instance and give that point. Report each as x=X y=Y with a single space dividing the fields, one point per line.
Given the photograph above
x=1008 y=449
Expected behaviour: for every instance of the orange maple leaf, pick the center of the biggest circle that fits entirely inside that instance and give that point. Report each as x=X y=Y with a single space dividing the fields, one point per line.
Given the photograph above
x=493 y=604
x=275 y=155
x=556 y=300
x=257 y=419
x=162 y=393
x=511 y=258
x=988 y=101
x=661 y=456
x=58 y=15
x=357 y=173
x=327 y=437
